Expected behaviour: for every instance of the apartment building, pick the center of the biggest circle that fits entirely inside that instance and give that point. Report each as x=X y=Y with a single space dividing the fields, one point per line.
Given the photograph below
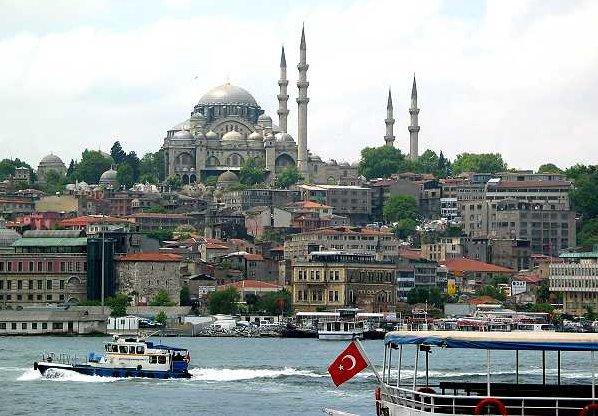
x=576 y=279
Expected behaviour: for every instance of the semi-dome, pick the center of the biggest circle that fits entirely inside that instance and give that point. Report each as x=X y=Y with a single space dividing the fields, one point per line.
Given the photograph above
x=51 y=160
x=286 y=137
x=232 y=136
x=211 y=135
x=228 y=94
x=227 y=177
x=255 y=136
x=182 y=135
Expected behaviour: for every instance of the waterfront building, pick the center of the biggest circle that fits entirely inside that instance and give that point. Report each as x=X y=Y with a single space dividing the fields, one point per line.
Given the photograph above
x=145 y=221
x=471 y=274
x=143 y=275
x=95 y=224
x=576 y=279
x=356 y=240
x=423 y=187
x=251 y=287
x=44 y=267
x=333 y=279
x=51 y=321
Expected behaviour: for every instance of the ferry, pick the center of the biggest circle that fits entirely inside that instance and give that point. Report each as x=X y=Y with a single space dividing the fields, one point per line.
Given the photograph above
x=340 y=330
x=124 y=357
x=399 y=394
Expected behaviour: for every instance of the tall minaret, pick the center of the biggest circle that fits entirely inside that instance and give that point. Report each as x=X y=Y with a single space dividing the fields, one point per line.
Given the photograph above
x=302 y=101
x=389 y=138
x=413 y=127
x=283 y=97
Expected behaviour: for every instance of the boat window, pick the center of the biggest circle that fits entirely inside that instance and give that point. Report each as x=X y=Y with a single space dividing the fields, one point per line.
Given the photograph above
x=114 y=348
x=153 y=359
x=108 y=347
x=122 y=349
x=162 y=359
x=337 y=326
x=140 y=350
x=131 y=349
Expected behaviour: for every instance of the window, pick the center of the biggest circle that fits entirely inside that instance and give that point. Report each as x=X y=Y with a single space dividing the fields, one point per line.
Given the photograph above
x=19 y=285
x=140 y=350
x=50 y=266
x=153 y=359
x=44 y=325
x=34 y=325
x=48 y=297
x=40 y=284
x=162 y=359
x=122 y=349
x=20 y=266
x=40 y=266
x=13 y=326
x=39 y=297
x=49 y=284
x=62 y=266
x=131 y=349
x=24 y=325
x=8 y=284
x=62 y=284
x=1 y=284
x=1 y=266
x=57 y=325
x=31 y=264
x=30 y=285
x=9 y=266
x=30 y=297
x=2 y=325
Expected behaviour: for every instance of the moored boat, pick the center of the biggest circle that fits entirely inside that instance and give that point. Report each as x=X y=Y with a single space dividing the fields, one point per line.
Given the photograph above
x=124 y=357
x=415 y=395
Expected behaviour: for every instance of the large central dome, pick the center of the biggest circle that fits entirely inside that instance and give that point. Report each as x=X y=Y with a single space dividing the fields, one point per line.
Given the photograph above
x=227 y=94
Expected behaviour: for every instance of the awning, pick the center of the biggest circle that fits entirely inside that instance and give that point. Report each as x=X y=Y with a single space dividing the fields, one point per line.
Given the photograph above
x=516 y=340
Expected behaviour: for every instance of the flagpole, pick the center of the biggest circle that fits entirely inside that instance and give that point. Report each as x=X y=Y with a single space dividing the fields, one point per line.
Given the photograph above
x=367 y=359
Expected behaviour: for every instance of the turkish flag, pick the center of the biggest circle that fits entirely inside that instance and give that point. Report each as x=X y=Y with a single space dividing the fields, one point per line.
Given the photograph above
x=350 y=362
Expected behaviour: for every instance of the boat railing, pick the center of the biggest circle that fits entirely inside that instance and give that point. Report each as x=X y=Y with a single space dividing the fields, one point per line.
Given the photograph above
x=426 y=399
x=61 y=358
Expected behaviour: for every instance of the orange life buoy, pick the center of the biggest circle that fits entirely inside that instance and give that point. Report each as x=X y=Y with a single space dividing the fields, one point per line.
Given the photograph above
x=491 y=402
x=586 y=410
x=426 y=390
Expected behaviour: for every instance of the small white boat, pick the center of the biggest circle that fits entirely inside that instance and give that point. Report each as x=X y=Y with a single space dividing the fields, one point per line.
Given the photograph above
x=339 y=330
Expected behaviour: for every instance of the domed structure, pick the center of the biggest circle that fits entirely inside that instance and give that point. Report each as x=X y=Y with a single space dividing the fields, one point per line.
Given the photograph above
x=109 y=179
x=48 y=164
x=227 y=94
x=211 y=135
x=285 y=137
x=182 y=135
x=255 y=136
x=227 y=178
x=232 y=136
x=7 y=236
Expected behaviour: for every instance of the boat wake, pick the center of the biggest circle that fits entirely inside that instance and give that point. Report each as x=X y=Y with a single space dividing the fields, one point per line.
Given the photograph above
x=64 y=375
x=238 y=374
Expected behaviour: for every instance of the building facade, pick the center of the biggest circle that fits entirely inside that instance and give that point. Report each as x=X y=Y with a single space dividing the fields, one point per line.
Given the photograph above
x=576 y=279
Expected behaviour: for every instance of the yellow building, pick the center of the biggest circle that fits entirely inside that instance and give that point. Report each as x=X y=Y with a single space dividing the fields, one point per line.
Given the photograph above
x=331 y=280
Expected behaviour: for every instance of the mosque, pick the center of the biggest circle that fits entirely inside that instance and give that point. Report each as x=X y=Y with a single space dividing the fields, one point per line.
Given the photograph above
x=227 y=127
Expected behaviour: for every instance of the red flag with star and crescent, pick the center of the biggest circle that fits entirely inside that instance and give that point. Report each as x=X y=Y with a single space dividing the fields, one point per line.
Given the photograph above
x=350 y=362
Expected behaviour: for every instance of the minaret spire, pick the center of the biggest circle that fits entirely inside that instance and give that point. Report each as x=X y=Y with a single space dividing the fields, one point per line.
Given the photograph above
x=302 y=101
x=283 y=97
x=389 y=138
x=414 y=125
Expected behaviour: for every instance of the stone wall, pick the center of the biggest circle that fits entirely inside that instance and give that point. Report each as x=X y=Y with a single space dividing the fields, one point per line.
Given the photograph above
x=144 y=279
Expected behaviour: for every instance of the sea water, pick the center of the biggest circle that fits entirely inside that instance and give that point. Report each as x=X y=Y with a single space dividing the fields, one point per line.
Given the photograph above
x=245 y=376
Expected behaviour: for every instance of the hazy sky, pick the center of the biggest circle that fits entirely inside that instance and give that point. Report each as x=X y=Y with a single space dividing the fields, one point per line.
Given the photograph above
x=516 y=77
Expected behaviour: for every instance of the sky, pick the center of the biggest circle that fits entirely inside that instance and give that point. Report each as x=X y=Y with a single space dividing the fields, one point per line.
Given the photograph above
x=518 y=77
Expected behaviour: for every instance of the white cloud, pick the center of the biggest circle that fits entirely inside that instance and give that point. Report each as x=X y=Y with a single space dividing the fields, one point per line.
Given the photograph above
x=520 y=80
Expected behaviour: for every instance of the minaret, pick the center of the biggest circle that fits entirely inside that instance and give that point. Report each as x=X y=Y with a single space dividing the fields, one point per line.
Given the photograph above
x=413 y=127
x=302 y=101
x=389 y=138
x=283 y=97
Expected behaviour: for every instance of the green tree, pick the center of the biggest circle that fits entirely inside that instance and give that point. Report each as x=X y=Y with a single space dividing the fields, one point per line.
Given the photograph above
x=428 y=162
x=133 y=161
x=161 y=235
x=444 y=168
x=70 y=172
x=156 y=209
x=549 y=168
x=542 y=307
x=151 y=167
x=55 y=182
x=223 y=301
x=492 y=291
x=124 y=175
x=118 y=304
x=8 y=166
x=174 y=181
x=161 y=299
x=287 y=177
x=117 y=153
x=380 y=162
x=161 y=318
x=398 y=207
x=479 y=162
x=405 y=228
x=252 y=172
x=275 y=303
x=590 y=315
x=93 y=163
x=588 y=235
x=432 y=296
x=584 y=196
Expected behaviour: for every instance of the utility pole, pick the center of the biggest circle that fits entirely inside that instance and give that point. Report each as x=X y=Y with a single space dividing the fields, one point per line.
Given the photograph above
x=103 y=253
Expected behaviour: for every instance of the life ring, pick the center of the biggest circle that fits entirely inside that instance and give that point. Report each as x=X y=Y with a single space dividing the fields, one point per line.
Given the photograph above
x=586 y=410
x=426 y=390
x=491 y=402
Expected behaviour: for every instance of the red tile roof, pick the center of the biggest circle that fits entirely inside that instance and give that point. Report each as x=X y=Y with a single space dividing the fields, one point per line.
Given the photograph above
x=154 y=215
x=483 y=299
x=250 y=285
x=158 y=257
x=253 y=257
x=462 y=264
x=277 y=248
x=529 y=278
x=214 y=246
x=410 y=253
x=310 y=204
x=90 y=219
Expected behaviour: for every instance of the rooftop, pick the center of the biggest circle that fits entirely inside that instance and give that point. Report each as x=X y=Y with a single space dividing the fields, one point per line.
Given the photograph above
x=91 y=219
x=50 y=242
x=462 y=264
x=250 y=285
x=155 y=257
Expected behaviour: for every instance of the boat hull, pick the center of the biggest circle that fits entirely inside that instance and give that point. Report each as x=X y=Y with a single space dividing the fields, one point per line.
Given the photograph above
x=339 y=336
x=89 y=370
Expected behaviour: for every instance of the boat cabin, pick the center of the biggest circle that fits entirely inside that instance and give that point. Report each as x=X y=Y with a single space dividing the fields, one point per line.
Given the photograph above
x=408 y=389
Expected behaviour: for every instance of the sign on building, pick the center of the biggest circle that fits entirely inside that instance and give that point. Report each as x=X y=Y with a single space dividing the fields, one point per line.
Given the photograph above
x=451 y=287
x=517 y=287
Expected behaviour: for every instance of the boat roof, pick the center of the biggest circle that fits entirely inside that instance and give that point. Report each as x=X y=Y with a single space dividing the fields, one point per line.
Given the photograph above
x=547 y=341
x=163 y=347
